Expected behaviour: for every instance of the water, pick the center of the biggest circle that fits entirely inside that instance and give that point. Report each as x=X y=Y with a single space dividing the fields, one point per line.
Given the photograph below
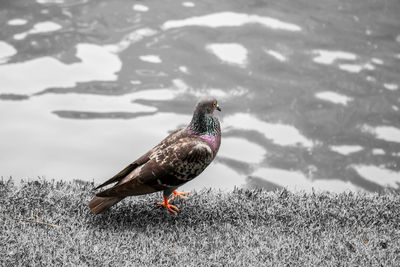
x=309 y=89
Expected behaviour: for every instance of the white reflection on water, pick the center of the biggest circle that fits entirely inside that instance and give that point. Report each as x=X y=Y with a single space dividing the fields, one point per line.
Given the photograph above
x=17 y=22
x=188 y=4
x=6 y=52
x=97 y=63
x=378 y=175
x=50 y=1
x=231 y=53
x=276 y=55
x=377 y=61
x=40 y=27
x=140 y=8
x=391 y=86
x=150 y=58
x=296 y=181
x=281 y=134
x=356 y=68
x=231 y=19
x=346 y=150
x=242 y=150
x=327 y=57
x=184 y=69
x=378 y=151
x=333 y=97
x=387 y=133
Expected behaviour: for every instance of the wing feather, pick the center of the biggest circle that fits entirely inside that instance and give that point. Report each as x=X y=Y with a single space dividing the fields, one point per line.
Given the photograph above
x=169 y=167
x=142 y=160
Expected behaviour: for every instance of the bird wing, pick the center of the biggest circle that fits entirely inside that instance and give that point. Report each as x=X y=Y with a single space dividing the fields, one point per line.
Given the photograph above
x=167 y=168
x=142 y=160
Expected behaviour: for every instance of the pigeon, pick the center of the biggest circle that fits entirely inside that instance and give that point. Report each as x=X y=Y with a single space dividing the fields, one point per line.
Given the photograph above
x=179 y=158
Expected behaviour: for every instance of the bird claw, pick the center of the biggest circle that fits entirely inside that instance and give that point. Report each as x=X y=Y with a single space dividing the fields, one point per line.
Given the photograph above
x=179 y=194
x=170 y=207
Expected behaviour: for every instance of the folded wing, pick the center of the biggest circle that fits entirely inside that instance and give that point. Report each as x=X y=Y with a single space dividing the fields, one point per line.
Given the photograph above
x=166 y=168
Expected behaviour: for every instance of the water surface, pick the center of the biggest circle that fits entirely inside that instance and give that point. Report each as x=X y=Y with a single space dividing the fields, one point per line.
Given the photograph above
x=309 y=90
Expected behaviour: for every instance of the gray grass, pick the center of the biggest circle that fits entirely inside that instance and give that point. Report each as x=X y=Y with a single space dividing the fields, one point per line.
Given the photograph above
x=244 y=227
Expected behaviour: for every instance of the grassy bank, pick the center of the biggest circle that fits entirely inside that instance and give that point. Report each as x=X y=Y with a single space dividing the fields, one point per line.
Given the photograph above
x=212 y=228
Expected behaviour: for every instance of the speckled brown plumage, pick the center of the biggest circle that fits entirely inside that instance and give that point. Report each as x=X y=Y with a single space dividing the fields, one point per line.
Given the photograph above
x=179 y=158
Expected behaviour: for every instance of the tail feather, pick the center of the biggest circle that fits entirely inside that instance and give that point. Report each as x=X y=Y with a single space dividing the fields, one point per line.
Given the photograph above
x=100 y=204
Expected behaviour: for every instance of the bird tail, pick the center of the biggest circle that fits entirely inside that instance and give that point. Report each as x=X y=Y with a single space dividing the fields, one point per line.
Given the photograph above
x=100 y=204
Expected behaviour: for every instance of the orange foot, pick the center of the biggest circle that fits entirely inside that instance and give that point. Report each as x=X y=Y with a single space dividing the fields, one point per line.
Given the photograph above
x=168 y=206
x=179 y=194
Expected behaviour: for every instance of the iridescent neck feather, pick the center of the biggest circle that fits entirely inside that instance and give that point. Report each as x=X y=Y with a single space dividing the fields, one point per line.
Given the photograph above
x=203 y=123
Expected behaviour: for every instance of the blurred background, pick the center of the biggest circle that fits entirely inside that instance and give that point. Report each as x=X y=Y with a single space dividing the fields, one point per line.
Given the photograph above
x=309 y=90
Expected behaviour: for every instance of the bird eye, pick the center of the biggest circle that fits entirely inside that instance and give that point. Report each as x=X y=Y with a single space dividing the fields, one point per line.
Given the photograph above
x=214 y=103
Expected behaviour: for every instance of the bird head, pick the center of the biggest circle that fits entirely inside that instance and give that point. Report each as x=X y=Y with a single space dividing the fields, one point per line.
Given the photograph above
x=207 y=105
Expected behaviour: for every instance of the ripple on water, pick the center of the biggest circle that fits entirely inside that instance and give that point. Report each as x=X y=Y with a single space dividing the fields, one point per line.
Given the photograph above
x=230 y=53
x=40 y=27
x=381 y=176
x=297 y=181
x=241 y=150
x=281 y=134
x=334 y=97
x=131 y=38
x=220 y=94
x=97 y=64
x=150 y=73
x=6 y=52
x=231 y=19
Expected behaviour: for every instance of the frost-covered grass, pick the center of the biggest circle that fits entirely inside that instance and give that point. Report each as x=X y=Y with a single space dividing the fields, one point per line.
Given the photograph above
x=244 y=227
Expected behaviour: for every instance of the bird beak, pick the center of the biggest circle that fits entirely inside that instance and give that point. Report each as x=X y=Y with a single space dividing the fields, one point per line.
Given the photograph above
x=218 y=108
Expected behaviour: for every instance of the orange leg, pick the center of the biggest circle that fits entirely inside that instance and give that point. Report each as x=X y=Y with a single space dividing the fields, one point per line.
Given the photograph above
x=166 y=204
x=179 y=194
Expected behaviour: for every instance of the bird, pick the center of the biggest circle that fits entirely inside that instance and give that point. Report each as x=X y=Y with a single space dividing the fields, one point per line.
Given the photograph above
x=176 y=160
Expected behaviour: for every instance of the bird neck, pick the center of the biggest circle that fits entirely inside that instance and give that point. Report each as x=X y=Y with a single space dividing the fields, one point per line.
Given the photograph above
x=204 y=123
